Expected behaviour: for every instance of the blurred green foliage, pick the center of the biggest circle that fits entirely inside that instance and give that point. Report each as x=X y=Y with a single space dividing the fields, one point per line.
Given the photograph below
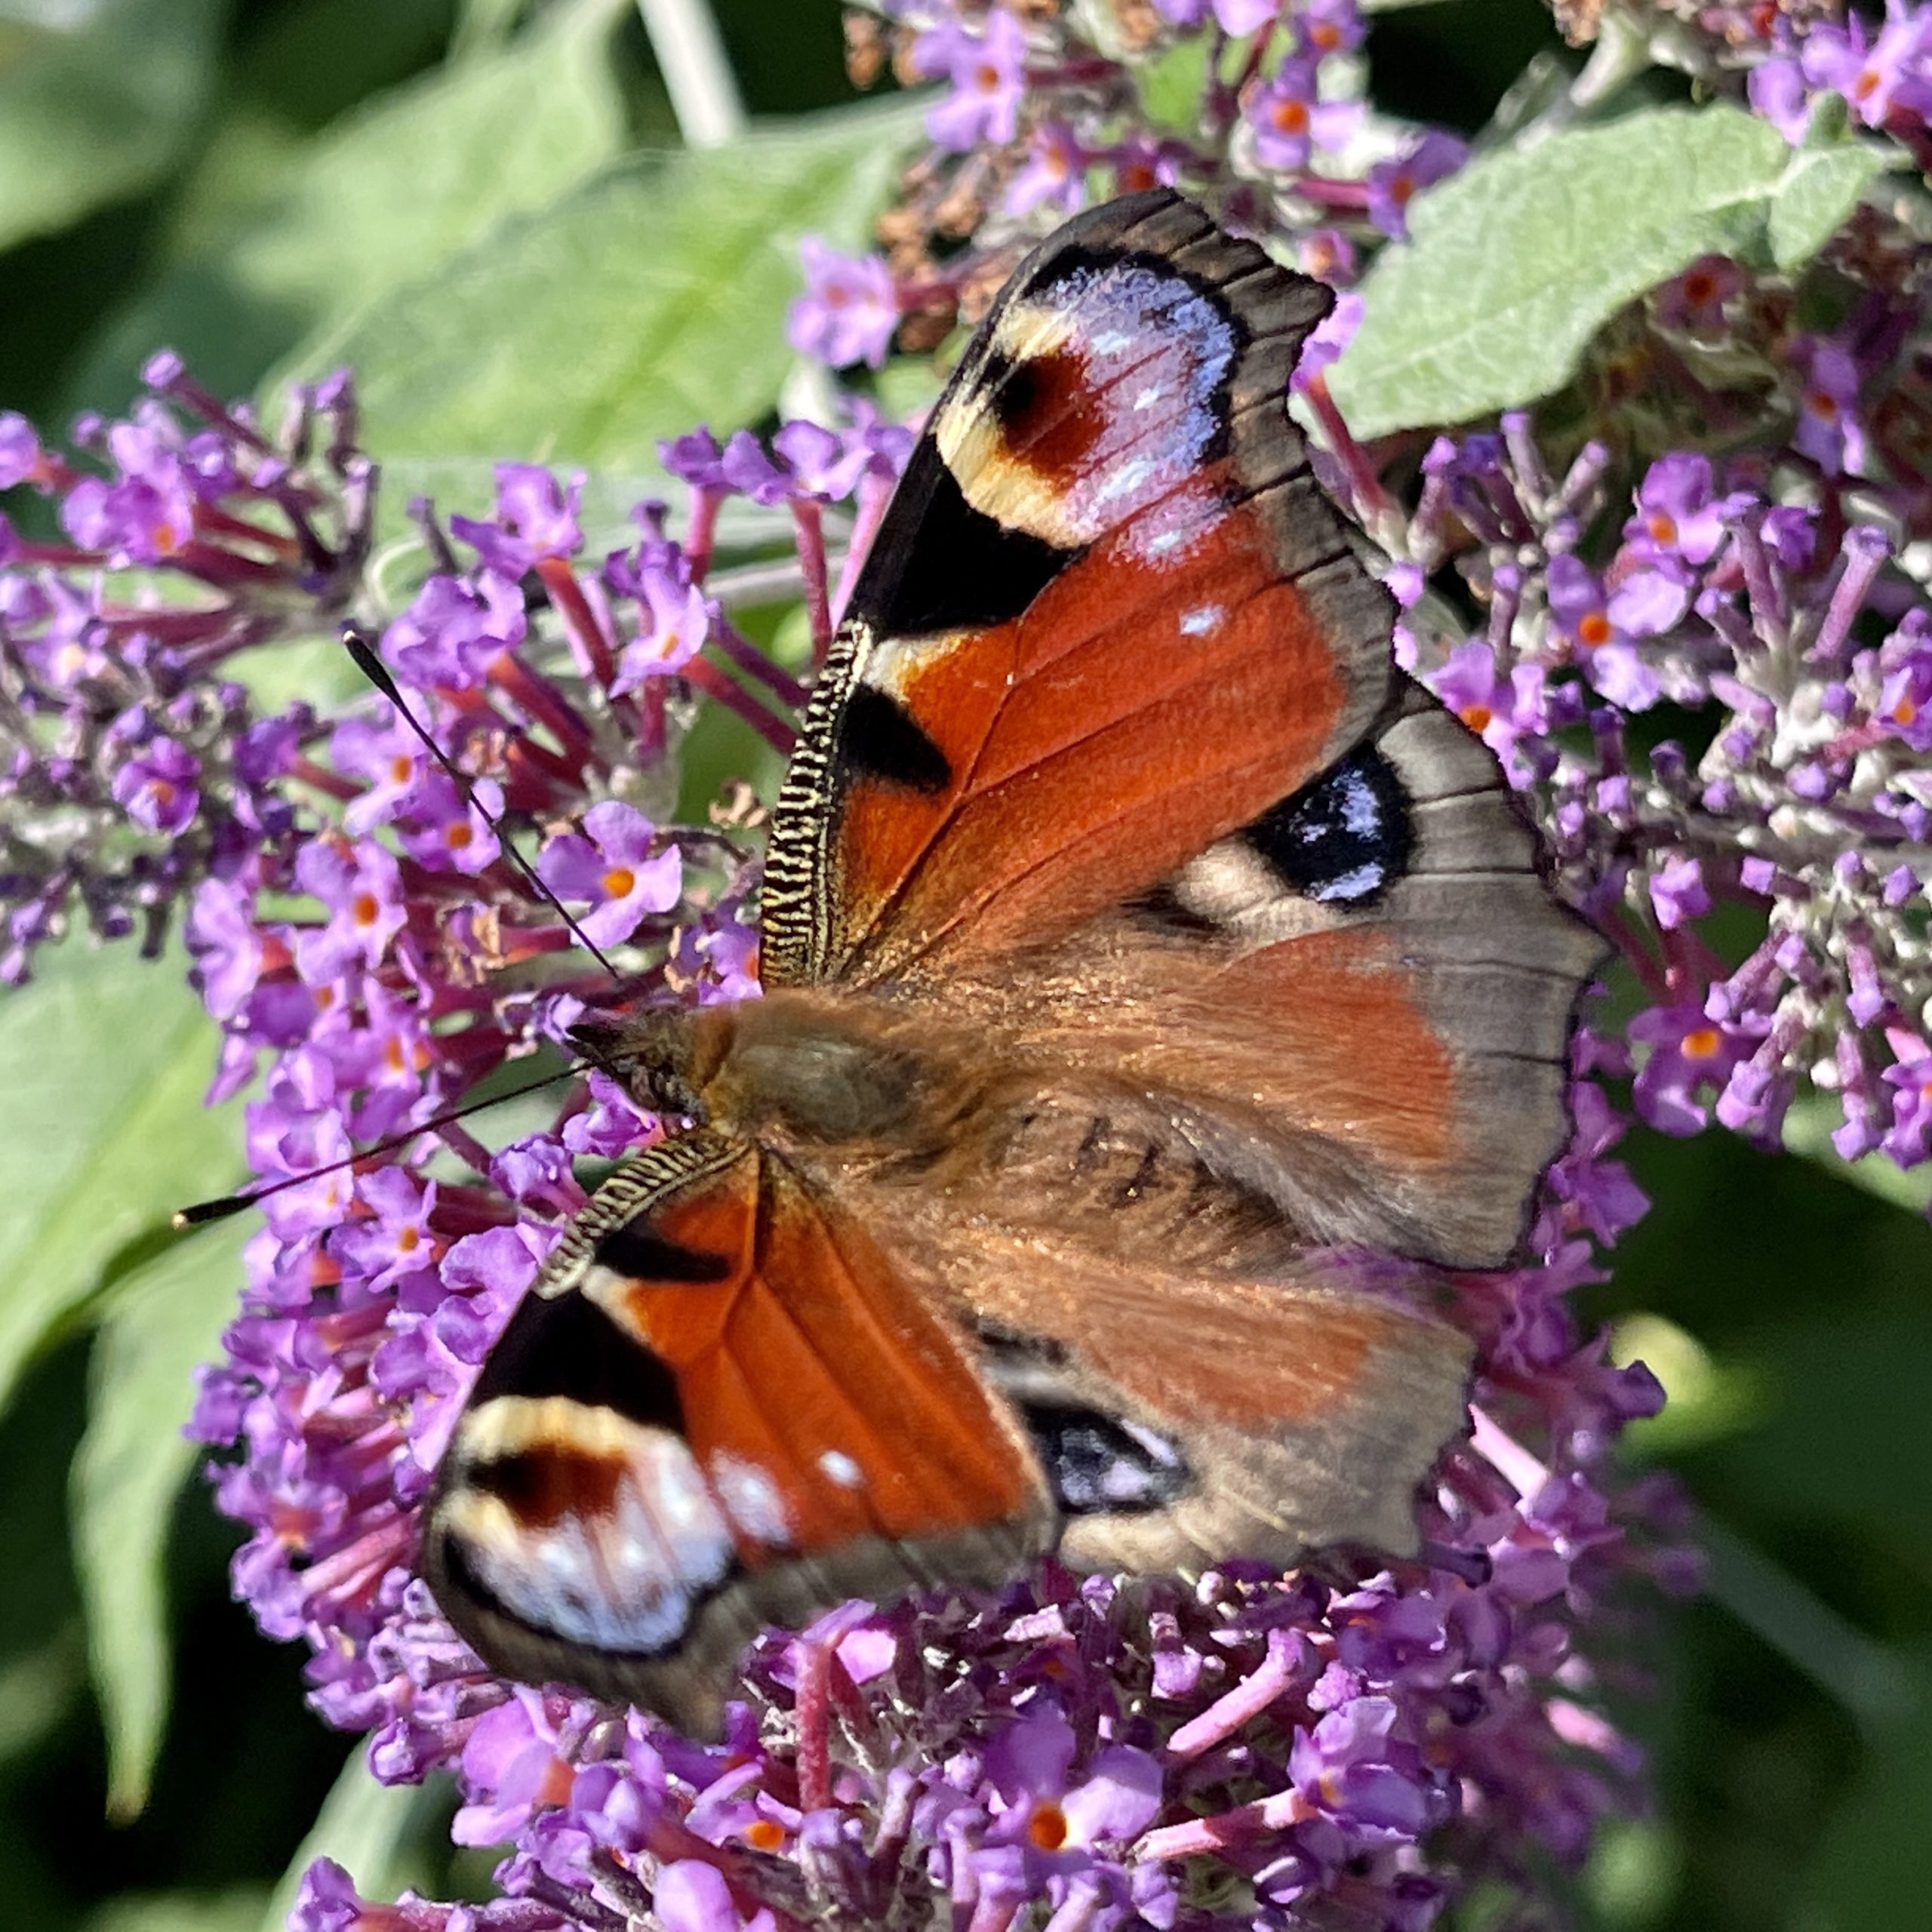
x=263 y=185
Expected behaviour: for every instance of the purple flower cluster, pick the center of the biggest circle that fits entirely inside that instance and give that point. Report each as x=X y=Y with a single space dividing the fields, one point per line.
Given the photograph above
x=1884 y=78
x=1807 y=655
x=133 y=768
x=1111 y=1751
x=1251 y=1748
x=1708 y=668
x=1037 y=113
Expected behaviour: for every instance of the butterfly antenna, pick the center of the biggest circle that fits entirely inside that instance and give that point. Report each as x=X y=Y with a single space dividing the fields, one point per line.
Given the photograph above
x=203 y=1212
x=355 y=642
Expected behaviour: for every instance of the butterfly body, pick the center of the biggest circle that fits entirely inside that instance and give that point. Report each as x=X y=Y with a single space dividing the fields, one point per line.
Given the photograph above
x=1141 y=948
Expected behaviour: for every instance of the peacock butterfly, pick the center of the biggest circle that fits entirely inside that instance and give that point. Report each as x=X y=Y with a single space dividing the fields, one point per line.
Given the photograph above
x=1136 y=940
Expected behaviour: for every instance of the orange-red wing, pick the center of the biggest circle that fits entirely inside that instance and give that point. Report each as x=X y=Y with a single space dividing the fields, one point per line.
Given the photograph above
x=1110 y=616
x=719 y=1407
x=1359 y=1006
x=810 y=1375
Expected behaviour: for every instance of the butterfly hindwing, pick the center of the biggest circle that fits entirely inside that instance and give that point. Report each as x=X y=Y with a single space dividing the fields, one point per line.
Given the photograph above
x=720 y=1408
x=1109 y=618
x=1183 y=1417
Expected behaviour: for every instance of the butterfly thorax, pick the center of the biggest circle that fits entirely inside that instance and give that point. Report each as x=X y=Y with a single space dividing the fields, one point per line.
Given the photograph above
x=797 y=1071
x=949 y=1113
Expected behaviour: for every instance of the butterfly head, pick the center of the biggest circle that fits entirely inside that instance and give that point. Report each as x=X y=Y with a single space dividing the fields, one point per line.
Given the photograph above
x=664 y=1057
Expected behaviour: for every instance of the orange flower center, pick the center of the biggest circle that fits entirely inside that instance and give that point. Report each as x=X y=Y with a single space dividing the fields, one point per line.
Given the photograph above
x=1594 y=630
x=1702 y=1043
x=619 y=881
x=1046 y=1828
x=364 y=908
x=555 y=1786
x=764 y=1835
x=1663 y=528
x=1291 y=117
x=1477 y=716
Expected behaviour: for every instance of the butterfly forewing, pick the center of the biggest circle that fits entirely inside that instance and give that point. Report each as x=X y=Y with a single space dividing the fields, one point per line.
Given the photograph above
x=721 y=1407
x=1110 y=619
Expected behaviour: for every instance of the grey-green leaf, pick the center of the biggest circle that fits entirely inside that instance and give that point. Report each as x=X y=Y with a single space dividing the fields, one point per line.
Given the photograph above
x=95 y=101
x=238 y=1910
x=276 y=242
x=1819 y=188
x=648 y=301
x=104 y=1059
x=1516 y=262
x=161 y=1320
x=374 y=1832
x=1808 y=1131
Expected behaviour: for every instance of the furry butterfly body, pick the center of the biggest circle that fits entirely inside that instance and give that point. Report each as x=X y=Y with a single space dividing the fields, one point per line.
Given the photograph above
x=1138 y=942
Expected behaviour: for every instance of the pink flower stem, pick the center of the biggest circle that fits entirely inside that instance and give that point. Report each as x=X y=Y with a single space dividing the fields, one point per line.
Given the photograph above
x=1243 y=1822
x=814 y=1719
x=543 y=703
x=705 y=677
x=753 y=662
x=874 y=492
x=811 y=527
x=579 y=620
x=1370 y=496
x=703 y=535
x=1229 y=1713
x=1333 y=193
x=329 y=784
x=1505 y=1454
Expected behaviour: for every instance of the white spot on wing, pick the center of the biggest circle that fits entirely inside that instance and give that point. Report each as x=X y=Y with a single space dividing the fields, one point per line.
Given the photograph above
x=1200 y=621
x=628 y=1576
x=838 y=1467
x=751 y=1499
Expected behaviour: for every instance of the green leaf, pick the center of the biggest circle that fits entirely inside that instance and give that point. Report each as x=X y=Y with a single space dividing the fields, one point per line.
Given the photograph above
x=1873 y=1867
x=237 y=1911
x=1517 y=261
x=1820 y=187
x=648 y=301
x=163 y=1318
x=103 y=1060
x=36 y=1688
x=1172 y=83
x=95 y=101
x=1807 y=1131
x=278 y=239
x=374 y=1832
